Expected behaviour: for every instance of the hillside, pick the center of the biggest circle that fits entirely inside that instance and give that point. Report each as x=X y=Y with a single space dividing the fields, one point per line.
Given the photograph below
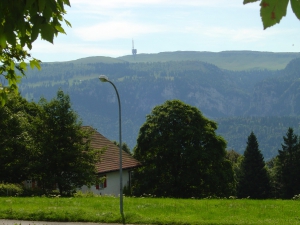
x=222 y=95
x=229 y=60
x=97 y=59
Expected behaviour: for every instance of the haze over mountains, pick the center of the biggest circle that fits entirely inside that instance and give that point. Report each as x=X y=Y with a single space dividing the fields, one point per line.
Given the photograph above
x=243 y=91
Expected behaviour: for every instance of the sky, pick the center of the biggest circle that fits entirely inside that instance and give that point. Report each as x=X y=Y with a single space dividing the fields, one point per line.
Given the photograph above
x=107 y=28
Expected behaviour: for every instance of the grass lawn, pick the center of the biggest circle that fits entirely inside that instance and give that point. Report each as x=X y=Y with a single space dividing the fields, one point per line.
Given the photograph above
x=152 y=210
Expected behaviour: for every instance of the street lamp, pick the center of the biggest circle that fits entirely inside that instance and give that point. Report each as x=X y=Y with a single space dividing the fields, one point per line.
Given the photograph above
x=104 y=78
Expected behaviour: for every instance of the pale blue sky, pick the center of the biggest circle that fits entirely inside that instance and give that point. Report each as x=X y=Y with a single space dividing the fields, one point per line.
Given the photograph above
x=106 y=28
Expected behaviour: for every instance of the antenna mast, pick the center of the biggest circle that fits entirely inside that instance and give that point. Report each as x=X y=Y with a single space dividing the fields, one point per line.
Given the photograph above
x=134 y=51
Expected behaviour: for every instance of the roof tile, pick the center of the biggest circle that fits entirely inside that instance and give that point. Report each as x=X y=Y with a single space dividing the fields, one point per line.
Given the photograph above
x=109 y=160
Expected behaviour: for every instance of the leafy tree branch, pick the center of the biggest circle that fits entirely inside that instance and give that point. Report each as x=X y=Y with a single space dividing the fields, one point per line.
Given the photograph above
x=272 y=11
x=21 y=22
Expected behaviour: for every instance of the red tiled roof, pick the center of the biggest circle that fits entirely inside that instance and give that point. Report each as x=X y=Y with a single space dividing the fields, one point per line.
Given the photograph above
x=109 y=160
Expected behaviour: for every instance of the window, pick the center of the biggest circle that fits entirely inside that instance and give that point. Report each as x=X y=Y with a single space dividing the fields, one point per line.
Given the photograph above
x=102 y=184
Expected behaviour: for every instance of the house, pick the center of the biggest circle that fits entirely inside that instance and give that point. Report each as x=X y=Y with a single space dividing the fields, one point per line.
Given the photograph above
x=108 y=167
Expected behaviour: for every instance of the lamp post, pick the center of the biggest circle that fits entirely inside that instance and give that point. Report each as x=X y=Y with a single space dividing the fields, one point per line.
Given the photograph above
x=104 y=78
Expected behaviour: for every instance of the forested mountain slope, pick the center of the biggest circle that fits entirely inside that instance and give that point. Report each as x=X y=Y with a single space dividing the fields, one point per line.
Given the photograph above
x=278 y=96
x=235 y=99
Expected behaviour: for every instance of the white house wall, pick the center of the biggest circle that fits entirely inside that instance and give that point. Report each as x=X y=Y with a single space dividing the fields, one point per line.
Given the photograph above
x=112 y=184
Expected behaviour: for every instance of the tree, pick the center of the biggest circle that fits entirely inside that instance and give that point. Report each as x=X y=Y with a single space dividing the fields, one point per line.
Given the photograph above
x=253 y=180
x=272 y=11
x=288 y=166
x=235 y=159
x=16 y=143
x=181 y=155
x=272 y=167
x=21 y=22
x=125 y=147
x=65 y=156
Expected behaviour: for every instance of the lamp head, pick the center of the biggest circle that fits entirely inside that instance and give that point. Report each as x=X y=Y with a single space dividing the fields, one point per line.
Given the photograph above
x=103 y=78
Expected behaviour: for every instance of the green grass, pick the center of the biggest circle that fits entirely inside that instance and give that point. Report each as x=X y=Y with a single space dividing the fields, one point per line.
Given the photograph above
x=152 y=210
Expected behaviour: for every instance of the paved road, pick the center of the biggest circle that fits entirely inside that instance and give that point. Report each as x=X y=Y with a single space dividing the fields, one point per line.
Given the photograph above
x=22 y=222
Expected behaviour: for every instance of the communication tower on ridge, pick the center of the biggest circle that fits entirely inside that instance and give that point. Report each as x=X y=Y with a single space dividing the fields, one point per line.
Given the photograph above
x=134 y=51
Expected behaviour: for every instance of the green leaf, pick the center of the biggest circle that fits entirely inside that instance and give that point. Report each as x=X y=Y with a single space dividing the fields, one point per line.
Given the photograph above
x=296 y=7
x=2 y=41
x=12 y=65
x=60 y=29
x=67 y=2
x=11 y=38
x=3 y=96
x=47 y=13
x=29 y=4
x=47 y=32
x=14 y=87
x=272 y=11
x=31 y=63
x=29 y=45
x=60 y=5
x=23 y=65
x=35 y=32
x=35 y=63
x=52 y=5
x=68 y=23
x=42 y=4
x=249 y=1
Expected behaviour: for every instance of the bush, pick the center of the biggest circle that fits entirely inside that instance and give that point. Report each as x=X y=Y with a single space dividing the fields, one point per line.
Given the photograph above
x=80 y=194
x=127 y=191
x=10 y=190
x=29 y=192
x=296 y=197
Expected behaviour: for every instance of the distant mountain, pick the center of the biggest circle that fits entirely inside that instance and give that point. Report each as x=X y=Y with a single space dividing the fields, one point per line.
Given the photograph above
x=230 y=60
x=279 y=95
x=259 y=100
x=97 y=59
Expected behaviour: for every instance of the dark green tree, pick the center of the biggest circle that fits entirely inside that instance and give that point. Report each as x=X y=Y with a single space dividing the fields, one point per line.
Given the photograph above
x=125 y=147
x=16 y=143
x=65 y=158
x=181 y=154
x=253 y=180
x=235 y=159
x=272 y=167
x=288 y=166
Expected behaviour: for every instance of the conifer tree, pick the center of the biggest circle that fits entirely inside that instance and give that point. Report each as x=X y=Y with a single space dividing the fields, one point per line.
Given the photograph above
x=288 y=168
x=253 y=180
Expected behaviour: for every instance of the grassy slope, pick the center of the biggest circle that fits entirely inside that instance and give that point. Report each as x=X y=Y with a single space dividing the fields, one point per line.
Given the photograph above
x=97 y=59
x=230 y=60
x=152 y=210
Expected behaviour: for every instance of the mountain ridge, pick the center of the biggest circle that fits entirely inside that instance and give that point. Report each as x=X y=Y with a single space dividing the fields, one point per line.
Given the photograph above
x=230 y=60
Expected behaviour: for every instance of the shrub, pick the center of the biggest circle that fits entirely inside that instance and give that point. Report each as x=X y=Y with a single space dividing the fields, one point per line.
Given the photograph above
x=80 y=194
x=296 y=197
x=28 y=192
x=10 y=190
x=127 y=191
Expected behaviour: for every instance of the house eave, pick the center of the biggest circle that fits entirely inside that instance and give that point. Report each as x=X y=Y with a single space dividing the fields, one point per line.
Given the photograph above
x=115 y=170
